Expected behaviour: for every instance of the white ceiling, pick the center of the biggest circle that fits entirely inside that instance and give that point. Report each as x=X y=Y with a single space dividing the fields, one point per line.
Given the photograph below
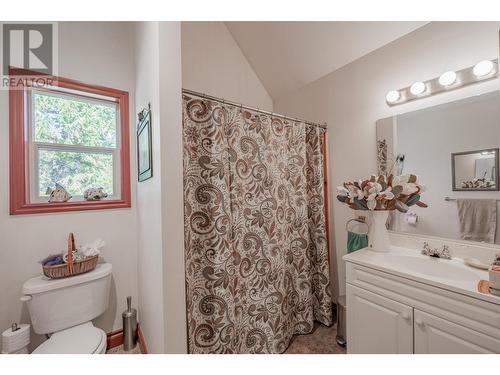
x=289 y=55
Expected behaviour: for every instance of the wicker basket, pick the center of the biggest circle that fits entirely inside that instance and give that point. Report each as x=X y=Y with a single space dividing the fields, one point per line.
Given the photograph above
x=71 y=268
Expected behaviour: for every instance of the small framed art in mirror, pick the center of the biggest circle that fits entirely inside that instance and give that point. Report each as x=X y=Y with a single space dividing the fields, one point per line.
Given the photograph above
x=475 y=170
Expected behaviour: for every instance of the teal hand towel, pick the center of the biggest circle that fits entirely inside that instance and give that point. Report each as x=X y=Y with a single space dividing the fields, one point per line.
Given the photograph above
x=356 y=241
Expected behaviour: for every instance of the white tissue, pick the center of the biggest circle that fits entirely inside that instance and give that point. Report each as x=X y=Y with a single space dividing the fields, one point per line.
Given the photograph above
x=411 y=218
x=16 y=341
x=92 y=248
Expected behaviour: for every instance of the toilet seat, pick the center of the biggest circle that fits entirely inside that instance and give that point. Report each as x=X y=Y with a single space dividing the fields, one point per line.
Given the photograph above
x=81 y=339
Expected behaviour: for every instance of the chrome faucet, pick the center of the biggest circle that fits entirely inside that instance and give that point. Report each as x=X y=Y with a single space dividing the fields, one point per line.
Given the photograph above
x=436 y=253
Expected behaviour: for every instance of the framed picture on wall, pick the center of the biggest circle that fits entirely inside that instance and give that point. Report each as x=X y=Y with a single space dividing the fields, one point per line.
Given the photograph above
x=144 y=145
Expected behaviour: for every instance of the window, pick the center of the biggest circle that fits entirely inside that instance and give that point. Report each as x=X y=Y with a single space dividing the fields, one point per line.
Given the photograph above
x=72 y=134
x=73 y=141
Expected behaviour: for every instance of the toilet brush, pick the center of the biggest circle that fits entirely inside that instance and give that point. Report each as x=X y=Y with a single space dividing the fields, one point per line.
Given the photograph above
x=129 y=318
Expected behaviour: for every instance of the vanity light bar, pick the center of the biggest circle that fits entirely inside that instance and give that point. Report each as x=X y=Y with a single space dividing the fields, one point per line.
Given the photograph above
x=450 y=80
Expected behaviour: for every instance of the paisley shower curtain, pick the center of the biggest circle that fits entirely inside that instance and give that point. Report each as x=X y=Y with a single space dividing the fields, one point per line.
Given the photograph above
x=257 y=267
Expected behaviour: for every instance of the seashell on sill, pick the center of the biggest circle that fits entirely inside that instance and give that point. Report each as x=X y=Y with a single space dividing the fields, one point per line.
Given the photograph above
x=94 y=194
x=58 y=194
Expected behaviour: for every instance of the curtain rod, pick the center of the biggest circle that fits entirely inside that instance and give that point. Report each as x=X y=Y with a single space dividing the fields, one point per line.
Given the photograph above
x=224 y=101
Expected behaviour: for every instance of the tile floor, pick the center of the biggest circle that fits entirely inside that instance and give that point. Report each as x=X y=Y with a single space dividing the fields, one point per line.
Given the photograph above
x=320 y=341
x=119 y=350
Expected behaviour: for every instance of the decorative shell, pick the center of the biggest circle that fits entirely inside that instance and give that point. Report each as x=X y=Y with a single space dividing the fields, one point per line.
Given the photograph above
x=77 y=256
x=58 y=194
x=94 y=194
x=382 y=193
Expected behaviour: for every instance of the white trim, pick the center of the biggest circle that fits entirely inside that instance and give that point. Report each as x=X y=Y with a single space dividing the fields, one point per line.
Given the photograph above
x=75 y=148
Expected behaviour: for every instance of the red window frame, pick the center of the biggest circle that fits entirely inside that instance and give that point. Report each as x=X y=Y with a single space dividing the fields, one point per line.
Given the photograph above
x=18 y=148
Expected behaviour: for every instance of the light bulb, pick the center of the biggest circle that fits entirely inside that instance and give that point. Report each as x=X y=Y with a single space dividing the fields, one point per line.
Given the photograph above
x=447 y=78
x=483 y=68
x=392 y=96
x=417 y=88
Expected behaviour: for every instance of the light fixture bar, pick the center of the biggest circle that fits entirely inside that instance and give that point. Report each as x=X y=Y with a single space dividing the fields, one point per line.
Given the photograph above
x=464 y=77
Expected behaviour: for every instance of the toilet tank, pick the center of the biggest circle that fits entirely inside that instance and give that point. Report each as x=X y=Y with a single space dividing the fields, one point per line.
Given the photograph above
x=57 y=304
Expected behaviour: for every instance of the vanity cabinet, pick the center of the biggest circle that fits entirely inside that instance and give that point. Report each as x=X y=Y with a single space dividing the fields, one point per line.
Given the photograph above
x=434 y=335
x=387 y=313
x=376 y=324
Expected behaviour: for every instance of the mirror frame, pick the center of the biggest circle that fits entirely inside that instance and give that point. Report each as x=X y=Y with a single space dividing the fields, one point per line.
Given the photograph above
x=455 y=188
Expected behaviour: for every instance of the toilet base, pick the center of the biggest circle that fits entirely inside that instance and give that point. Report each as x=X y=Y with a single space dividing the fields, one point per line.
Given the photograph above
x=81 y=339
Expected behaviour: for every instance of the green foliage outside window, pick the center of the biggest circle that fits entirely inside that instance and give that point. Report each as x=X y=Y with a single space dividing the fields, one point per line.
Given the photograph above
x=70 y=121
x=76 y=171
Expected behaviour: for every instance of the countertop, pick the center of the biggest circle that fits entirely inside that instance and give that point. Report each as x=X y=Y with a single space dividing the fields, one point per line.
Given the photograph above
x=449 y=274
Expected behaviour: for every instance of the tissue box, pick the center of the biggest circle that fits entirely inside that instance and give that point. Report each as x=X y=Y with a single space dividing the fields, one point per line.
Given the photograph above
x=494 y=275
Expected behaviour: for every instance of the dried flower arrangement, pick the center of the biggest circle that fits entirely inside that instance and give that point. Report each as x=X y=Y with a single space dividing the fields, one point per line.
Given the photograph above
x=382 y=193
x=478 y=183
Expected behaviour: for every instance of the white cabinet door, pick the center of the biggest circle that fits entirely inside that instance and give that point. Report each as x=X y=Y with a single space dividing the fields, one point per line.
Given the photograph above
x=434 y=335
x=376 y=324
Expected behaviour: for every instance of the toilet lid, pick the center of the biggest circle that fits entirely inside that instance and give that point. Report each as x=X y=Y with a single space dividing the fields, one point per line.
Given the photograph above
x=82 y=339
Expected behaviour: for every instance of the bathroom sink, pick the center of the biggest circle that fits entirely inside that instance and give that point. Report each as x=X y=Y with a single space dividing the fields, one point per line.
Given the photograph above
x=444 y=269
x=411 y=264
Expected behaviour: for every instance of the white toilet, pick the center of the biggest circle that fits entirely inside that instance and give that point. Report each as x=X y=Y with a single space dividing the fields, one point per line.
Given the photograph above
x=64 y=309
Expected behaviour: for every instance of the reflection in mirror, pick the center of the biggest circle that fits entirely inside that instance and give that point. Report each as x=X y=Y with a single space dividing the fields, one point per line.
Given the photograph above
x=453 y=148
x=475 y=170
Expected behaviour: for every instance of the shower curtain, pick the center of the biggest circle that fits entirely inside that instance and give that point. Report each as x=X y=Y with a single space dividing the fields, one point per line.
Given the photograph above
x=257 y=267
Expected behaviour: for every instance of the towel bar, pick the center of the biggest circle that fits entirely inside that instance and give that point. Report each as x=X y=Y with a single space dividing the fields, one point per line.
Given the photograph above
x=448 y=199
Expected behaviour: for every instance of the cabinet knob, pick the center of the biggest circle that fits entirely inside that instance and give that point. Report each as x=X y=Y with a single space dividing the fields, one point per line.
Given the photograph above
x=419 y=322
x=405 y=316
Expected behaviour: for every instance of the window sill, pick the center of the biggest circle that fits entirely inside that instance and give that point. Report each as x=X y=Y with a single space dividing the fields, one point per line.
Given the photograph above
x=42 y=208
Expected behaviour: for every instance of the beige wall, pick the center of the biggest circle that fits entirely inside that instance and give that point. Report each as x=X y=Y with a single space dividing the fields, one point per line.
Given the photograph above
x=172 y=188
x=162 y=302
x=150 y=255
x=352 y=98
x=212 y=63
x=96 y=53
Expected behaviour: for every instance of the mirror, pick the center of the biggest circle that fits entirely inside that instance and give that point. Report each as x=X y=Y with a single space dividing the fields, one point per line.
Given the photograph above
x=475 y=170
x=453 y=148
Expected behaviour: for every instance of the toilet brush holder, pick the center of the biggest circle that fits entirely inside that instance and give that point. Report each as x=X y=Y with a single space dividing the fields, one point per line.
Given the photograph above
x=129 y=318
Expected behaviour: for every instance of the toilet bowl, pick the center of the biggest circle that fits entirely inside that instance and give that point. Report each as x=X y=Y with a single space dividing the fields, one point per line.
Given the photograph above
x=82 y=339
x=64 y=309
